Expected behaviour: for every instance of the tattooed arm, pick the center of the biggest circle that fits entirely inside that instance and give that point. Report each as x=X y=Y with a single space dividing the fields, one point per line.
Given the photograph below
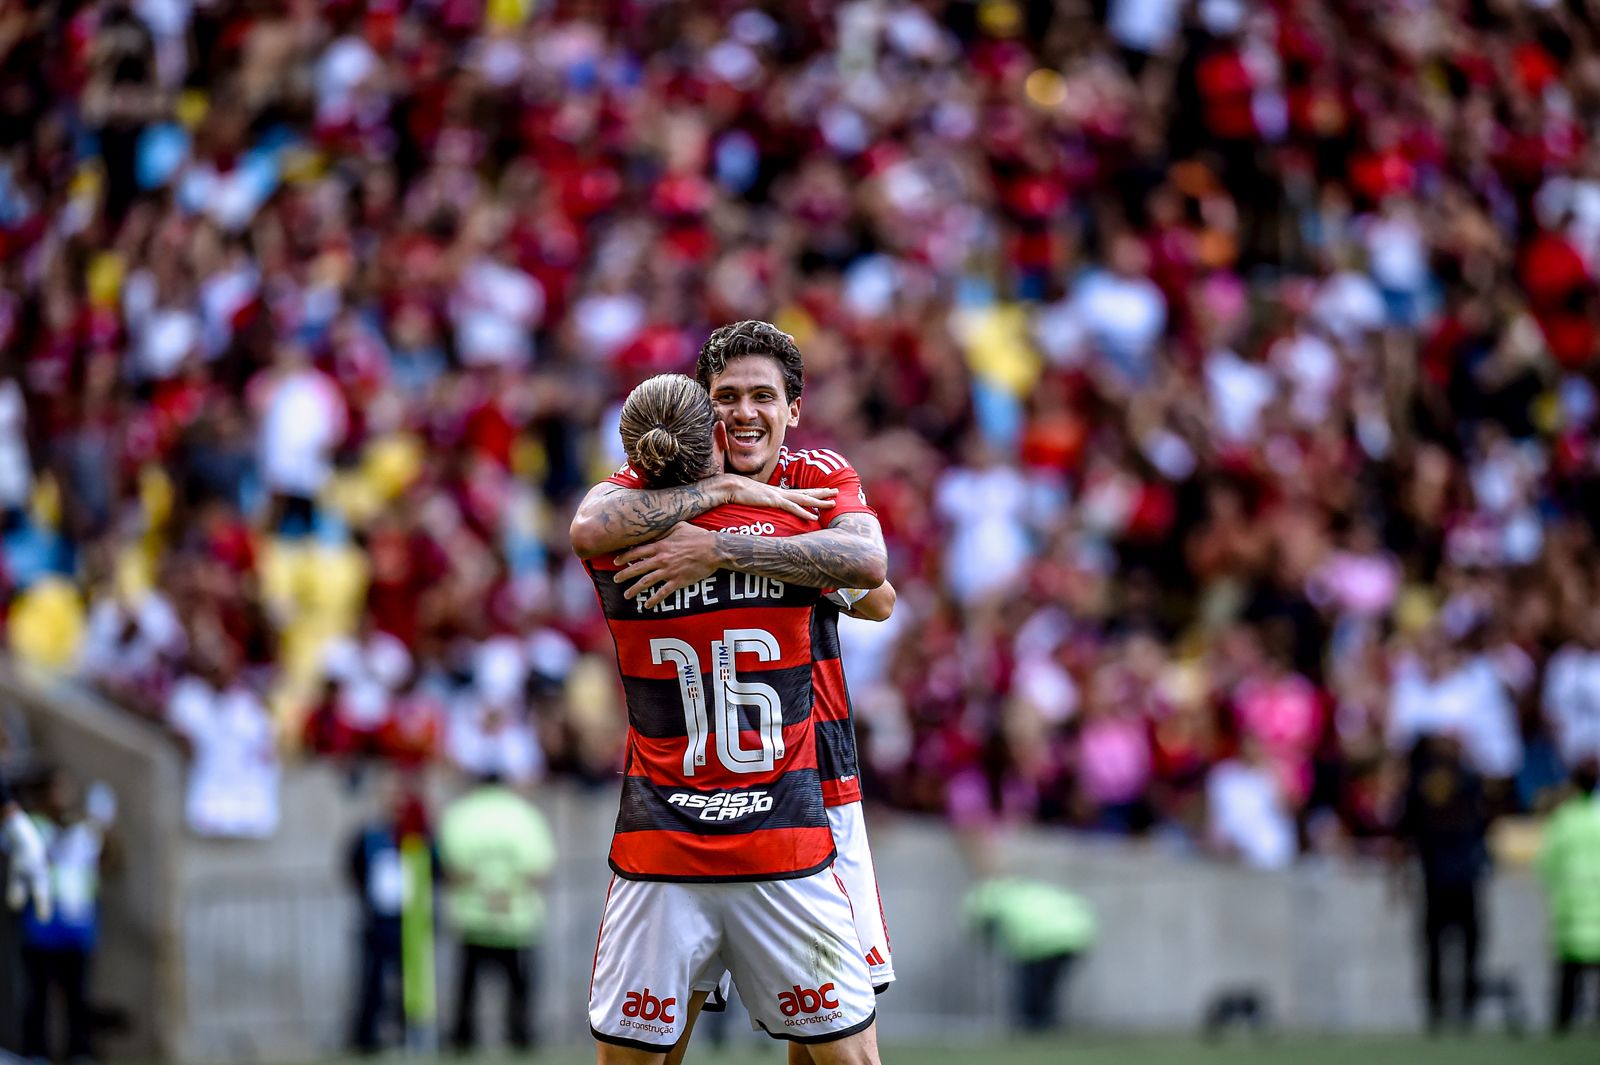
x=612 y=517
x=849 y=553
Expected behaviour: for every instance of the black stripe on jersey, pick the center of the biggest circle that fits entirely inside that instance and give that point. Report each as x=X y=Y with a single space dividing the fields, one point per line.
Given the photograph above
x=796 y=803
x=825 y=632
x=836 y=750
x=723 y=590
x=655 y=707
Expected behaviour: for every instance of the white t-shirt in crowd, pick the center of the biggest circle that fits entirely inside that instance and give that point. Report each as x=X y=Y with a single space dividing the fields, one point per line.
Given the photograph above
x=233 y=781
x=1348 y=305
x=347 y=62
x=1311 y=367
x=1239 y=392
x=496 y=308
x=989 y=545
x=1247 y=812
x=1148 y=26
x=608 y=321
x=163 y=339
x=866 y=648
x=1572 y=702
x=1398 y=252
x=1470 y=702
x=487 y=738
x=369 y=673
x=110 y=651
x=1125 y=316
x=303 y=422
x=16 y=471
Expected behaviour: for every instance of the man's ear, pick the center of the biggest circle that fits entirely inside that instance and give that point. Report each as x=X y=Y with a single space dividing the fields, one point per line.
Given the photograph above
x=794 y=413
x=719 y=443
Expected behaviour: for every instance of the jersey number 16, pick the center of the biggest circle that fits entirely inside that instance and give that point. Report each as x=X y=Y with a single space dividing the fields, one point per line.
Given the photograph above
x=729 y=695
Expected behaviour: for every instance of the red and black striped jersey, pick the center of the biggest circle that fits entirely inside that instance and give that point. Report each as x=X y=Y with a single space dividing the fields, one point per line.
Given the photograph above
x=834 y=716
x=837 y=760
x=721 y=781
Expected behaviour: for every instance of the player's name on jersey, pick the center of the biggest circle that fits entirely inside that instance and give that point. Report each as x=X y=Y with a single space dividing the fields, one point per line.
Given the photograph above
x=719 y=589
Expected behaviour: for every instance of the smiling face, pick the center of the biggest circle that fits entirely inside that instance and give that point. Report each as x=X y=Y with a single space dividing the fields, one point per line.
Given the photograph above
x=749 y=399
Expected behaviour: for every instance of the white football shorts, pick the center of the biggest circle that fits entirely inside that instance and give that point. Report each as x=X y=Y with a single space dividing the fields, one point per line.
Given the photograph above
x=855 y=869
x=790 y=946
x=854 y=866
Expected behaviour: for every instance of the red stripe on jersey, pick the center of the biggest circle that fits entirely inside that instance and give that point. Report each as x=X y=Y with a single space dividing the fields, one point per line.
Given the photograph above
x=663 y=759
x=790 y=626
x=824 y=469
x=799 y=852
x=832 y=699
x=841 y=792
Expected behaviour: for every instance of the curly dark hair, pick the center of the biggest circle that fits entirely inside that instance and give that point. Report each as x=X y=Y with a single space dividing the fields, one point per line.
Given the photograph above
x=751 y=337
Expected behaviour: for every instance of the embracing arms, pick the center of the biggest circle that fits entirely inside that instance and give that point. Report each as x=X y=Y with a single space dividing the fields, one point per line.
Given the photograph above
x=849 y=553
x=612 y=517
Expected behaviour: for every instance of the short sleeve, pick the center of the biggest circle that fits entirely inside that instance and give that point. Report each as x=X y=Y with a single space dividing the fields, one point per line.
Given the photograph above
x=626 y=477
x=821 y=468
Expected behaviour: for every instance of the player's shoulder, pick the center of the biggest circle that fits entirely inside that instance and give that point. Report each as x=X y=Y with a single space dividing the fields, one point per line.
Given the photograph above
x=810 y=466
x=626 y=477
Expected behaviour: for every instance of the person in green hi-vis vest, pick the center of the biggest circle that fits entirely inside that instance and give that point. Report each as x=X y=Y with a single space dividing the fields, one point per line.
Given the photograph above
x=1569 y=865
x=497 y=850
x=1040 y=928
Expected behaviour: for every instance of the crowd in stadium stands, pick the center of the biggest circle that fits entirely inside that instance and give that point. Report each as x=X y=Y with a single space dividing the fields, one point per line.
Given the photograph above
x=1222 y=373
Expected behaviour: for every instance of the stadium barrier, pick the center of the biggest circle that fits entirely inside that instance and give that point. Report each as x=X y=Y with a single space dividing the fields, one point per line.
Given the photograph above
x=246 y=951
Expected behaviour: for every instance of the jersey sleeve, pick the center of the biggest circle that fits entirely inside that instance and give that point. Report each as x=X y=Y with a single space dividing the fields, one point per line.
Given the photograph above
x=626 y=478
x=821 y=468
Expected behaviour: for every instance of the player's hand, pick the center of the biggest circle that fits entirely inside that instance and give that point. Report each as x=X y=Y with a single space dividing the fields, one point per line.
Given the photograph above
x=801 y=502
x=30 y=866
x=686 y=555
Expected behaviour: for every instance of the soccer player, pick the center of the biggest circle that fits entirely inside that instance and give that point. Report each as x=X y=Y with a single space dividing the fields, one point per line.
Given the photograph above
x=755 y=376
x=723 y=852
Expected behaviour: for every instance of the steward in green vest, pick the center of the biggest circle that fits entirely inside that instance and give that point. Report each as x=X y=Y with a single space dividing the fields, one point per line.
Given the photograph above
x=497 y=850
x=1041 y=928
x=1569 y=865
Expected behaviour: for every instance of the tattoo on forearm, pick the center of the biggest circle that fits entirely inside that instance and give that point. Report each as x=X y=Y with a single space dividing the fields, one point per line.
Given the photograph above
x=631 y=516
x=842 y=556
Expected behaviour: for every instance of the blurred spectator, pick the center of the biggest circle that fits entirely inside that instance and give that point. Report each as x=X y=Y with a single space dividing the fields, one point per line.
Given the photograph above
x=233 y=775
x=302 y=417
x=377 y=873
x=1249 y=812
x=1041 y=929
x=497 y=851
x=1444 y=821
x=1572 y=694
x=1569 y=865
x=58 y=951
x=1445 y=693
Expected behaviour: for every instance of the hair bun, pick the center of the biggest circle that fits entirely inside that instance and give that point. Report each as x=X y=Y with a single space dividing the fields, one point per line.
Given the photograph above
x=657 y=448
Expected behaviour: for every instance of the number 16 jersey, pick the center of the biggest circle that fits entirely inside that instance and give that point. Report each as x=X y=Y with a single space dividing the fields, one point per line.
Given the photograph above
x=720 y=781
